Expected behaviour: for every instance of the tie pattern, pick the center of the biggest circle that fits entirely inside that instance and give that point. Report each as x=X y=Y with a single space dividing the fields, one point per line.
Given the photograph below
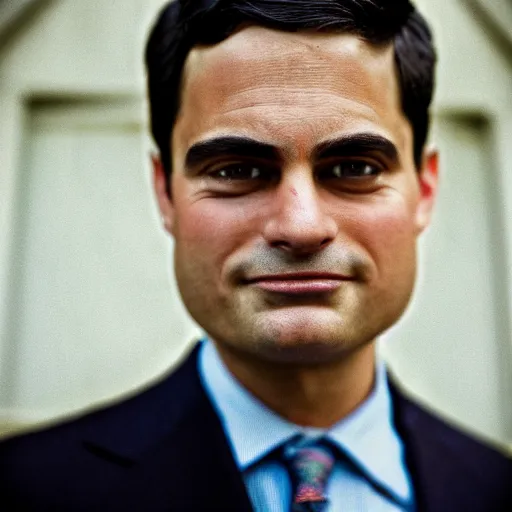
x=310 y=465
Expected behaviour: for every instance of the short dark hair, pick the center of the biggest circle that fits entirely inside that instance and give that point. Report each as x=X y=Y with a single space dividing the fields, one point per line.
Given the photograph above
x=182 y=24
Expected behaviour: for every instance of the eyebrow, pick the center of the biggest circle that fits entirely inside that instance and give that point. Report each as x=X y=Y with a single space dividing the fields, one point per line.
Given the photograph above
x=357 y=144
x=234 y=146
x=245 y=147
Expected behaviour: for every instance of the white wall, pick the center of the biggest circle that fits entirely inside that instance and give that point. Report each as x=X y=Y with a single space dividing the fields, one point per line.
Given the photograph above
x=456 y=359
x=58 y=356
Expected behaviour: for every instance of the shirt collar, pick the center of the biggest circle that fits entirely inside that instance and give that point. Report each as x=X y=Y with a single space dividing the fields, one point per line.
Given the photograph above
x=367 y=435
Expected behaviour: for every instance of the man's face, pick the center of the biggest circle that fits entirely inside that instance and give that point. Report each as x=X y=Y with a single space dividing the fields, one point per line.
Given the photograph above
x=295 y=202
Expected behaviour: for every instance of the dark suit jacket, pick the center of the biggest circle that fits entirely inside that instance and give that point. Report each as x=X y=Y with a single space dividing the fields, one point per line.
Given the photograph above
x=165 y=449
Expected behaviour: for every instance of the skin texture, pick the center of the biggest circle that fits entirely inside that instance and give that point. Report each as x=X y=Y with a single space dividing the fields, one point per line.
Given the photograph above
x=310 y=357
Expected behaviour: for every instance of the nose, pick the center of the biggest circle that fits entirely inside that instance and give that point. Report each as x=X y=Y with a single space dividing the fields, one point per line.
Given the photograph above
x=298 y=222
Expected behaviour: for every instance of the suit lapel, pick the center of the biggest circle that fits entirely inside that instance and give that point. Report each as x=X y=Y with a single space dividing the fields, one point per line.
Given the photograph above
x=418 y=457
x=174 y=449
x=194 y=469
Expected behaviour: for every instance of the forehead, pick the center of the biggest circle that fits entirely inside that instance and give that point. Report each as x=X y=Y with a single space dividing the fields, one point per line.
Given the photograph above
x=291 y=89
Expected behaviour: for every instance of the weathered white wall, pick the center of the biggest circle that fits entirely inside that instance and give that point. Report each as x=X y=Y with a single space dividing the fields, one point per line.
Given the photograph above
x=94 y=50
x=79 y=53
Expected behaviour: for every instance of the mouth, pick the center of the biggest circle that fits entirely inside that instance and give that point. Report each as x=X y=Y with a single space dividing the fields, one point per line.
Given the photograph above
x=299 y=283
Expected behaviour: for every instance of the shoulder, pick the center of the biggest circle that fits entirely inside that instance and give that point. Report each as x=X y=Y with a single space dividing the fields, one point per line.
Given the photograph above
x=173 y=393
x=413 y=415
x=72 y=454
x=447 y=462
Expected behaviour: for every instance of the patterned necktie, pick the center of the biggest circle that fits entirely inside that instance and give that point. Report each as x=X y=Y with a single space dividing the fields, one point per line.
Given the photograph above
x=309 y=465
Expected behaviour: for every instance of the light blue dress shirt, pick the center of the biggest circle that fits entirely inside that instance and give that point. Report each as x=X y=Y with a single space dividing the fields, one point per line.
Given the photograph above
x=367 y=437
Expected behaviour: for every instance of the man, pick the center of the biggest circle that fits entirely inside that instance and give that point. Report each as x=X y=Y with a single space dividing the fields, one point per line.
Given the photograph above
x=294 y=178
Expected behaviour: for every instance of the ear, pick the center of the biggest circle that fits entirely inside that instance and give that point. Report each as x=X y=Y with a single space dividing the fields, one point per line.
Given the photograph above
x=429 y=184
x=163 y=194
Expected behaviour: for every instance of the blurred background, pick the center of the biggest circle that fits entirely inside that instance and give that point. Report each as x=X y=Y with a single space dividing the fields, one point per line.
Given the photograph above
x=89 y=309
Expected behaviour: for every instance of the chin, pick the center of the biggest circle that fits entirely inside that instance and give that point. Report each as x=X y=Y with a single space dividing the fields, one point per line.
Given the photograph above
x=304 y=336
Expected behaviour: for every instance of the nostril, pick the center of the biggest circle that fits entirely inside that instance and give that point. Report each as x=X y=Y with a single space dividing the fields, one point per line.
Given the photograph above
x=280 y=245
x=300 y=246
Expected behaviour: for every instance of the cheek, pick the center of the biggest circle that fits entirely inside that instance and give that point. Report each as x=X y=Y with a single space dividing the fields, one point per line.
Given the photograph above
x=206 y=233
x=387 y=233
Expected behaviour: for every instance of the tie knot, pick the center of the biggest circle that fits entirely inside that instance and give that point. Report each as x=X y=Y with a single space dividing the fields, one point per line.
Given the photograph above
x=310 y=464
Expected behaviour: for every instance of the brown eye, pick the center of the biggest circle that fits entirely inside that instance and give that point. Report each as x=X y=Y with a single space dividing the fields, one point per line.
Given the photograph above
x=239 y=172
x=355 y=169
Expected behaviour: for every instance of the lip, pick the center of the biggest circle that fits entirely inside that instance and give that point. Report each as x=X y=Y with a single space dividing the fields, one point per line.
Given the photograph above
x=300 y=283
x=296 y=276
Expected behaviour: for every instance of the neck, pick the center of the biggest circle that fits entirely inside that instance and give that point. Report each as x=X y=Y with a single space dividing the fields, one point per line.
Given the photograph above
x=307 y=395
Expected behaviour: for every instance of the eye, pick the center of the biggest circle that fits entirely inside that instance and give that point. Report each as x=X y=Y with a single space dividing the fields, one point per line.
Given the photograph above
x=354 y=169
x=240 y=178
x=239 y=172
